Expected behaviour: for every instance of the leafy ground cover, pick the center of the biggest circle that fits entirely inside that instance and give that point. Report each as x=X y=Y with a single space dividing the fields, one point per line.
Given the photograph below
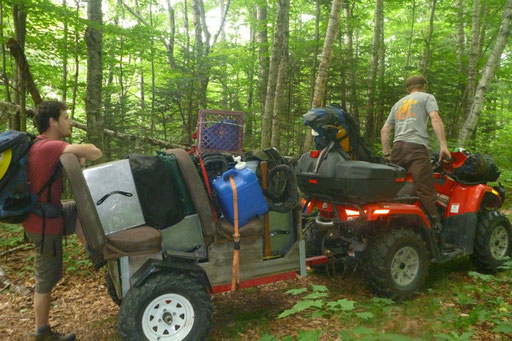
x=456 y=304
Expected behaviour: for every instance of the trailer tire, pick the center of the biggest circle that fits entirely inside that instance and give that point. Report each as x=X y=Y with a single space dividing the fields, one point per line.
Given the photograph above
x=111 y=289
x=167 y=304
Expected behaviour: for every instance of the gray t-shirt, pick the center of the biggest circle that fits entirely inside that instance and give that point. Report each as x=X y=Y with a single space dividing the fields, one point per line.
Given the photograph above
x=410 y=116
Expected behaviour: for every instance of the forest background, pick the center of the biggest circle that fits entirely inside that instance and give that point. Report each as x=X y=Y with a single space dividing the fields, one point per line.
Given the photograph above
x=144 y=68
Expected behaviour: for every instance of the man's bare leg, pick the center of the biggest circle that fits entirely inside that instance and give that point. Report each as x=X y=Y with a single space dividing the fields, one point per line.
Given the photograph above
x=42 y=308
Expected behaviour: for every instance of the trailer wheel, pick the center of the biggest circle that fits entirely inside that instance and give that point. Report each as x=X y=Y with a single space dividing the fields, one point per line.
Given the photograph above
x=111 y=289
x=493 y=242
x=396 y=263
x=168 y=306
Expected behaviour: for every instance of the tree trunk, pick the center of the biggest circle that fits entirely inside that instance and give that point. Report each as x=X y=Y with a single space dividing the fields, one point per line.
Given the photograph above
x=77 y=61
x=263 y=58
x=426 y=57
x=275 y=60
x=411 y=36
x=93 y=39
x=372 y=77
x=317 y=48
x=4 y=56
x=487 y=76
x=459 y=105
x=20 y=29
x=202 y=49
x=473 y=57
x=280 y=98
x=323 y=68
x=152 y=53
x=249 y=119
x=351 y=62
x=65 y=55
x=170 y=46
x=382 y=72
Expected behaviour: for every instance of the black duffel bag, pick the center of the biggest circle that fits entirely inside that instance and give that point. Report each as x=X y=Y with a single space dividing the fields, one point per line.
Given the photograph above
x=478 y=167
x=158 y=198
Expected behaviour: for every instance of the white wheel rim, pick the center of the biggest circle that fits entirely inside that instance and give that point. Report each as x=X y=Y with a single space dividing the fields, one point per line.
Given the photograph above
x=405 y=266
x=499 y=242
x=168 y=317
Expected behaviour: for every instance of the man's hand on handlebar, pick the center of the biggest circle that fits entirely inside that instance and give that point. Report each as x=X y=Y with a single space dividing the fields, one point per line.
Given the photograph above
x=444 y=155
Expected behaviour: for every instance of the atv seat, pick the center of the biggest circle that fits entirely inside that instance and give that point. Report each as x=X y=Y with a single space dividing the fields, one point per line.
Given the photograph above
x=138 y=240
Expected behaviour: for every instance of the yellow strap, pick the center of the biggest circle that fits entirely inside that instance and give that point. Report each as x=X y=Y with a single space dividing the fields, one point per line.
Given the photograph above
x=235 y=275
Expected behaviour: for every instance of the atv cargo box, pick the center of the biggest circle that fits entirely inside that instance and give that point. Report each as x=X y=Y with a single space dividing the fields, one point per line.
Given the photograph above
x=358 y=182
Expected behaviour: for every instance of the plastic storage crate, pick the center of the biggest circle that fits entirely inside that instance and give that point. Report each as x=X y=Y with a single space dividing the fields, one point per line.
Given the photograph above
x=220 y=131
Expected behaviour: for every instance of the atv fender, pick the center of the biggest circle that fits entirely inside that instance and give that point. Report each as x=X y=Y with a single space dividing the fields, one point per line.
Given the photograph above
x=469 y=199
x=152 y=266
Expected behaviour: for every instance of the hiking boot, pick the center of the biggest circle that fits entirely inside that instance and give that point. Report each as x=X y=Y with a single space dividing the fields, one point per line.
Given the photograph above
x=51 y=335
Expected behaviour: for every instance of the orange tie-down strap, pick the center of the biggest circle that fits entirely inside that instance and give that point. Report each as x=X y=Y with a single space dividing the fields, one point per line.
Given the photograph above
x=235 y=278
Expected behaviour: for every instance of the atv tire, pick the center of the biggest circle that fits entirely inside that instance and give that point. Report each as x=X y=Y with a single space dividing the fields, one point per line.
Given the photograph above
x=493 y=241
x=396 y=263
x=111 y=289
x=167 y=306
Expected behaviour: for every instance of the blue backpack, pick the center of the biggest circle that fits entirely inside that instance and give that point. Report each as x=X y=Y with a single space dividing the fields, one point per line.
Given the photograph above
x=15 y=199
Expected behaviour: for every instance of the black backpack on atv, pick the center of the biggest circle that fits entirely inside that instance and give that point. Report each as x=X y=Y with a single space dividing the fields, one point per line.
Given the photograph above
x=332 y=123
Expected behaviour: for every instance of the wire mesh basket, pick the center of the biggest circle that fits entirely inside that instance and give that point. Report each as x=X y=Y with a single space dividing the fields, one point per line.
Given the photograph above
x=220 y=131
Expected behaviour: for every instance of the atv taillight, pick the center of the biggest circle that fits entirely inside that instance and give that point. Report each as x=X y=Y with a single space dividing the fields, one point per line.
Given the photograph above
x=381 y=211
x=314 y=153
x=312 y=181
x=352 y=213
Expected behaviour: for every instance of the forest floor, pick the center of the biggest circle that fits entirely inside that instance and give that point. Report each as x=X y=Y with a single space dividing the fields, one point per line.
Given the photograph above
x=456 y=304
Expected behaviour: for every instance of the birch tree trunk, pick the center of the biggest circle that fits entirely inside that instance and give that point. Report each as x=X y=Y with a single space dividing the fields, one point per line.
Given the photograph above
x=93 y=39
x=473 y=56
x=487 y=76
x=323 y=68
x=372 y=77
x=426 y=57
x=275 y=60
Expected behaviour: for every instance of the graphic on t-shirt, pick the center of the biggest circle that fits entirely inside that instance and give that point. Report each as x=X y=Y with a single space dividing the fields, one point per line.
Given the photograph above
x=404 y=111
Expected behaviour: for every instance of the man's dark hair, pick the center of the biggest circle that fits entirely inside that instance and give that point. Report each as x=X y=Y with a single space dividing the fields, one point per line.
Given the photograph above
x=417 y=82
x=45 y=111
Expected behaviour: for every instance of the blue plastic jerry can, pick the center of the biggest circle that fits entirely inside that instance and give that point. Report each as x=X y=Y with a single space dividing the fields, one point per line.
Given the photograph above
x=251 y=201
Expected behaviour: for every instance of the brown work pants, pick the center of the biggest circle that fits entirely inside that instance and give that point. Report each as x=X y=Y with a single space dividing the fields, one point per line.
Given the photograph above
x=415 y=159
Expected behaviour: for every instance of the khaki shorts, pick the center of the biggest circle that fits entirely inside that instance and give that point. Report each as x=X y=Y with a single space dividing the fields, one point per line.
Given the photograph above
x=48 y=264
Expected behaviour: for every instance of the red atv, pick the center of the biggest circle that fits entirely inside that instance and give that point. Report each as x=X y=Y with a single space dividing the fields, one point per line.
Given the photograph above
x=367 y=214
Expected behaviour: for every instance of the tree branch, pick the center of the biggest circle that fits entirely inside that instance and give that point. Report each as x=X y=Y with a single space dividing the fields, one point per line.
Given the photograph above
x=222 y=23
x=21 y=60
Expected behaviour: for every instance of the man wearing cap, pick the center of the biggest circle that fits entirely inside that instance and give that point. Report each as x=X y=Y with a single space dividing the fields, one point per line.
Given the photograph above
x=409 y=117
